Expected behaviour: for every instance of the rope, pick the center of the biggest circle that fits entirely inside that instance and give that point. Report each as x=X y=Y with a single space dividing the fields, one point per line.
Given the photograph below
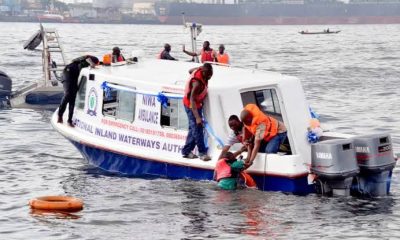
x=163 y=99
x=265 y=172
x=213 y=135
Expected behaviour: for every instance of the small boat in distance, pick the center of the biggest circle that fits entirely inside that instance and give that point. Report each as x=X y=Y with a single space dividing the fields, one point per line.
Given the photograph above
x=323 y=32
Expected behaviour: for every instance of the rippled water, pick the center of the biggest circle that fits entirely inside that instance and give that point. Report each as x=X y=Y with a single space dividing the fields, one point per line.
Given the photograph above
x=351 y=79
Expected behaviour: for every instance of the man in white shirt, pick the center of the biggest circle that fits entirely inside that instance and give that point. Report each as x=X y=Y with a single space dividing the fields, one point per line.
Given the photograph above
x=235 y=136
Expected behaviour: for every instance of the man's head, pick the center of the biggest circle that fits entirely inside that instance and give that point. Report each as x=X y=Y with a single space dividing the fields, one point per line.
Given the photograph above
x=246 y=117
x=207 y=71
x=116 y=51
x=228 y=155
x=167 y=47
x=234 y=123
x=92 y=60
x=221 y=49
x=206 y=45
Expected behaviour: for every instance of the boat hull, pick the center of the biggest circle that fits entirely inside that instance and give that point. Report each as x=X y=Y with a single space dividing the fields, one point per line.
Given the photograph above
x=115 y=162
x=211 y=20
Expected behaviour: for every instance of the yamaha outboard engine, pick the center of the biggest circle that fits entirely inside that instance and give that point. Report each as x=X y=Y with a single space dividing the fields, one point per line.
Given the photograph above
x=376 y=161
x=334 y=162
x=5 y=91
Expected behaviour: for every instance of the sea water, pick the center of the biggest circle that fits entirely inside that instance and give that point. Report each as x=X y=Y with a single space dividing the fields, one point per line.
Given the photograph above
x=351 y=80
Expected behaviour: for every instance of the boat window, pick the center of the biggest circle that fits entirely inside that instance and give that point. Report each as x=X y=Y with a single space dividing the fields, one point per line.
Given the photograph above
x=110 y=103
x=266 y=99
x=174 y=115
x=119 y=104
x=126 y=106
x=81 y=95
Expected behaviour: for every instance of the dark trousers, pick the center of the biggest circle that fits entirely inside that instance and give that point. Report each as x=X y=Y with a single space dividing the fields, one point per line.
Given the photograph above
x=69 y=98
x=272 y=146
x=70 y=79
x=195 y=135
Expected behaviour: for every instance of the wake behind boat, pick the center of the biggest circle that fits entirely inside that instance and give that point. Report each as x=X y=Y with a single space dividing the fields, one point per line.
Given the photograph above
x=130 y=119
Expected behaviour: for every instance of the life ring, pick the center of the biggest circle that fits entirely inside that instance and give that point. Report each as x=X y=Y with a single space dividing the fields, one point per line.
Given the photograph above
x=57 y=203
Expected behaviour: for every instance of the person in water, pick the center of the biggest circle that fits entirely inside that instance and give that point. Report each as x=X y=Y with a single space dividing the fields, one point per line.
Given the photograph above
x=195 y=93
x=165 y=53
x=70 y=84
x=116 y=55
x=222 y=56
x=227 y=171
x=267 y=131
x=206 y=54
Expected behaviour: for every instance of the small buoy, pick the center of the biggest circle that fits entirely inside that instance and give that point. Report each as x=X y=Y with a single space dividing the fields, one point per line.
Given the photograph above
x=57 y=203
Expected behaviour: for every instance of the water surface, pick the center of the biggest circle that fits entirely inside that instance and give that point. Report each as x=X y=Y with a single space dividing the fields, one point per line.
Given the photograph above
x=351 y=79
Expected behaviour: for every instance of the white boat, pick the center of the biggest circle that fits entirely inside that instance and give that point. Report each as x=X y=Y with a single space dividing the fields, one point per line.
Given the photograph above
x=122 y=127
x=47 y=92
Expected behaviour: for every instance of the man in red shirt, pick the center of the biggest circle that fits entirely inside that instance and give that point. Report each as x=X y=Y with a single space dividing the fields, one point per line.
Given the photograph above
x=195 y=93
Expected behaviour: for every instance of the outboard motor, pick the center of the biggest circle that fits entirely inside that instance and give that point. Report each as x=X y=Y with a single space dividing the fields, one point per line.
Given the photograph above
x=334 y=162
x=376 y=161
x=5 y=91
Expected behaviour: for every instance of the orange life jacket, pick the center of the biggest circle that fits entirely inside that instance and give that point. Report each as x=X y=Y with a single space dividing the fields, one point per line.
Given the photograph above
x=107 y=59
x=222 y=169
x=248 y=180
x=207 y=56
x=195 y=76
x=259 y=117
x=223 y=58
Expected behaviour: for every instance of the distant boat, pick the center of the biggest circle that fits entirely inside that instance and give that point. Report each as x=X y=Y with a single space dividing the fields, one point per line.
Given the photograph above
x=323 y=32
x=50 y=17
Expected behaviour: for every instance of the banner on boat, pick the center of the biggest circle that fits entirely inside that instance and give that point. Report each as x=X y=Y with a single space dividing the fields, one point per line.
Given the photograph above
x=127 y=138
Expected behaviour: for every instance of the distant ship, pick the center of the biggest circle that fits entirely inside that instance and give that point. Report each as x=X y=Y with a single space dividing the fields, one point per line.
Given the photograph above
x=50 y=17
x=276 y=12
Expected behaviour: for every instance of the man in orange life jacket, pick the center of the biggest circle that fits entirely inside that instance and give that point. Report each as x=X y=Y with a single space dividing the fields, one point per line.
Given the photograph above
x=117 y=56
x=195 y=93
x=207 y=54
x=235 y=136
x=222 y=56
x=266 y=130
x=165 y=53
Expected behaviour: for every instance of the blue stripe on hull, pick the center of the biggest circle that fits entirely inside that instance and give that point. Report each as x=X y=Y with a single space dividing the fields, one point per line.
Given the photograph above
x=115 y=162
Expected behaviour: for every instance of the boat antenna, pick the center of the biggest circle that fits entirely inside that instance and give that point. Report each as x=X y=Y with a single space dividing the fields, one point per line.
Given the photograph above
x=183 y=19
x=195 y=30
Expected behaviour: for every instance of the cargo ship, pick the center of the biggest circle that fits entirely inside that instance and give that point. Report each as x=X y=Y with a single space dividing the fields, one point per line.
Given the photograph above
x=289 y=12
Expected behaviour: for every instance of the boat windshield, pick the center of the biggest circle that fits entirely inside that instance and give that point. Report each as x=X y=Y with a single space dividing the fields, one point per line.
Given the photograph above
x=266 y=99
